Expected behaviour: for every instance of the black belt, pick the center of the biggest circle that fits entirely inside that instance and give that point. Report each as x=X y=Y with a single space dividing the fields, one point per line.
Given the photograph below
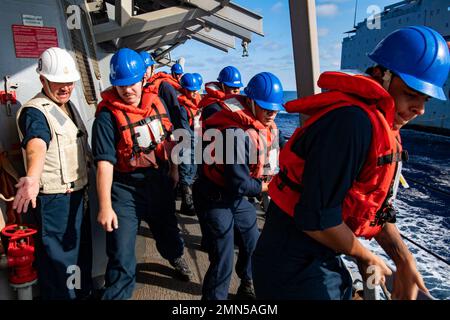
x=285 y=180
x=127 y=179
x=210 y=191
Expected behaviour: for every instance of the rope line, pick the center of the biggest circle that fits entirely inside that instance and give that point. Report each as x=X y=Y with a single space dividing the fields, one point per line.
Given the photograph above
x=427 y=186
x=447 y=262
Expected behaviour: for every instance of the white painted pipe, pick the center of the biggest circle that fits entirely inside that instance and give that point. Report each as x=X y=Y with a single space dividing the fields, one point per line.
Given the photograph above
x=25 y=293
x=3 y=262
x=24 y=290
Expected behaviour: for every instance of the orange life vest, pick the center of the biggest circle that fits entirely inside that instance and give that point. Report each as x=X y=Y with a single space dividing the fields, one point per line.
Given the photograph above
x=155 y=81
x=144 y=132
x=236 y=114
x=191 y=106
x=214 y=94
x=362 y=208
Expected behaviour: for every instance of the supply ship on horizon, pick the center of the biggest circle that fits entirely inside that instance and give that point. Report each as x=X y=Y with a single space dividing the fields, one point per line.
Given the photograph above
x=366 y=34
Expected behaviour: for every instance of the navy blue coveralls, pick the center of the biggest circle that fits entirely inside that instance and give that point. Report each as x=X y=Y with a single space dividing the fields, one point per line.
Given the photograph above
x=221 y=211
x=287 y=263
x=62 y=227
x=144 y=194
x=180 y=120
x=169 y=97
x=206 y=113
x=187 y=170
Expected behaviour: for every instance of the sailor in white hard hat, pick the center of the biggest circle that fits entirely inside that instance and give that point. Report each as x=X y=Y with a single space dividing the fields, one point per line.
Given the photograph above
x=56 y=153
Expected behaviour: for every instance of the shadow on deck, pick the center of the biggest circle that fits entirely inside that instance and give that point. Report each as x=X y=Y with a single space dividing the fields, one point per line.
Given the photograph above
x=155 y=277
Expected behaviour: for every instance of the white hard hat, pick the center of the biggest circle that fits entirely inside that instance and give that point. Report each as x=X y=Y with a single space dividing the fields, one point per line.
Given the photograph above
x=57 y=65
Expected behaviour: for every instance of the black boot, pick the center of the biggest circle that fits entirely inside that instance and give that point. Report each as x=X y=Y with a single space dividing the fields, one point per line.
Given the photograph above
x=182 y=270
x=187 y=204
x=246 y=291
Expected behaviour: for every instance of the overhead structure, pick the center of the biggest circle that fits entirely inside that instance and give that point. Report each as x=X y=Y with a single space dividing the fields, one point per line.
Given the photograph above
x=155 y=24
x=306 y=47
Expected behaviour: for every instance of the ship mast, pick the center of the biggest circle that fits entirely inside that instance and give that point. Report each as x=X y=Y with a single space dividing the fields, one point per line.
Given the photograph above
x=356 y=9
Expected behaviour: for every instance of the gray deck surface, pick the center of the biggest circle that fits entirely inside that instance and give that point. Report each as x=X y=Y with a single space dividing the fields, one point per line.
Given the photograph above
x=154 y=276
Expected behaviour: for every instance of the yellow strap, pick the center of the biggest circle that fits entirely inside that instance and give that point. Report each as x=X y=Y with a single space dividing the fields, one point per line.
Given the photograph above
x=403 y=182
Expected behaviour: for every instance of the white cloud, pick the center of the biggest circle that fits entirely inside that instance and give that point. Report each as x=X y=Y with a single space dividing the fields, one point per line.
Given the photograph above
x=286 y=57
x=336 y=63
x=330 y=56
x=327 y=10
x=325 y=55
x=322 y=32
x=267 y=45
x=277 y=7
x=337 y=46
x=272 y=46
x=196 y=64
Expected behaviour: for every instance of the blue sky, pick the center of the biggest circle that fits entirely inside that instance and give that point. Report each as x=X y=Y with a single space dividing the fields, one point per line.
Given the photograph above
x=273 y=52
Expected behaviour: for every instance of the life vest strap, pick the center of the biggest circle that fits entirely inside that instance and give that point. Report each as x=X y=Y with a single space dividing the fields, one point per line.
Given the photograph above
x=142 y=122
x=136 y=149
x=393 y=157
x=386 y=214
x=192 y=115
x=286 y=181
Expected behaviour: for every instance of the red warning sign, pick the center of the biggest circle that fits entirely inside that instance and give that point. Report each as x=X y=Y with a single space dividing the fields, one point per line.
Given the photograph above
x=30 y=41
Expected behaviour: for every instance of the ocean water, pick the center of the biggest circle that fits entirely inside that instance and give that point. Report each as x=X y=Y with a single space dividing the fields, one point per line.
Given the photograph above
x=287 y=122
x=289 y=95
x=423 y=209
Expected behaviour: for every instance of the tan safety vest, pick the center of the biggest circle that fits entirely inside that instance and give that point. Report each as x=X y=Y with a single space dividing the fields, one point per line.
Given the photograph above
x=66 y=159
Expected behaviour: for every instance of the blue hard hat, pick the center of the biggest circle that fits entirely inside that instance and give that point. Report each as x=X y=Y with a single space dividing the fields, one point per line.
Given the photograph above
x=177 y=69
x=199 y=78
x=189 y=82
x=266 y=90
x=419 y=56
x=127 y=68
x=148 y=59
x=231 y=77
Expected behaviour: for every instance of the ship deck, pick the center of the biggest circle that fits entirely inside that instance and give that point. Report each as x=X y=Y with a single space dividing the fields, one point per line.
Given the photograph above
x=155 y=277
